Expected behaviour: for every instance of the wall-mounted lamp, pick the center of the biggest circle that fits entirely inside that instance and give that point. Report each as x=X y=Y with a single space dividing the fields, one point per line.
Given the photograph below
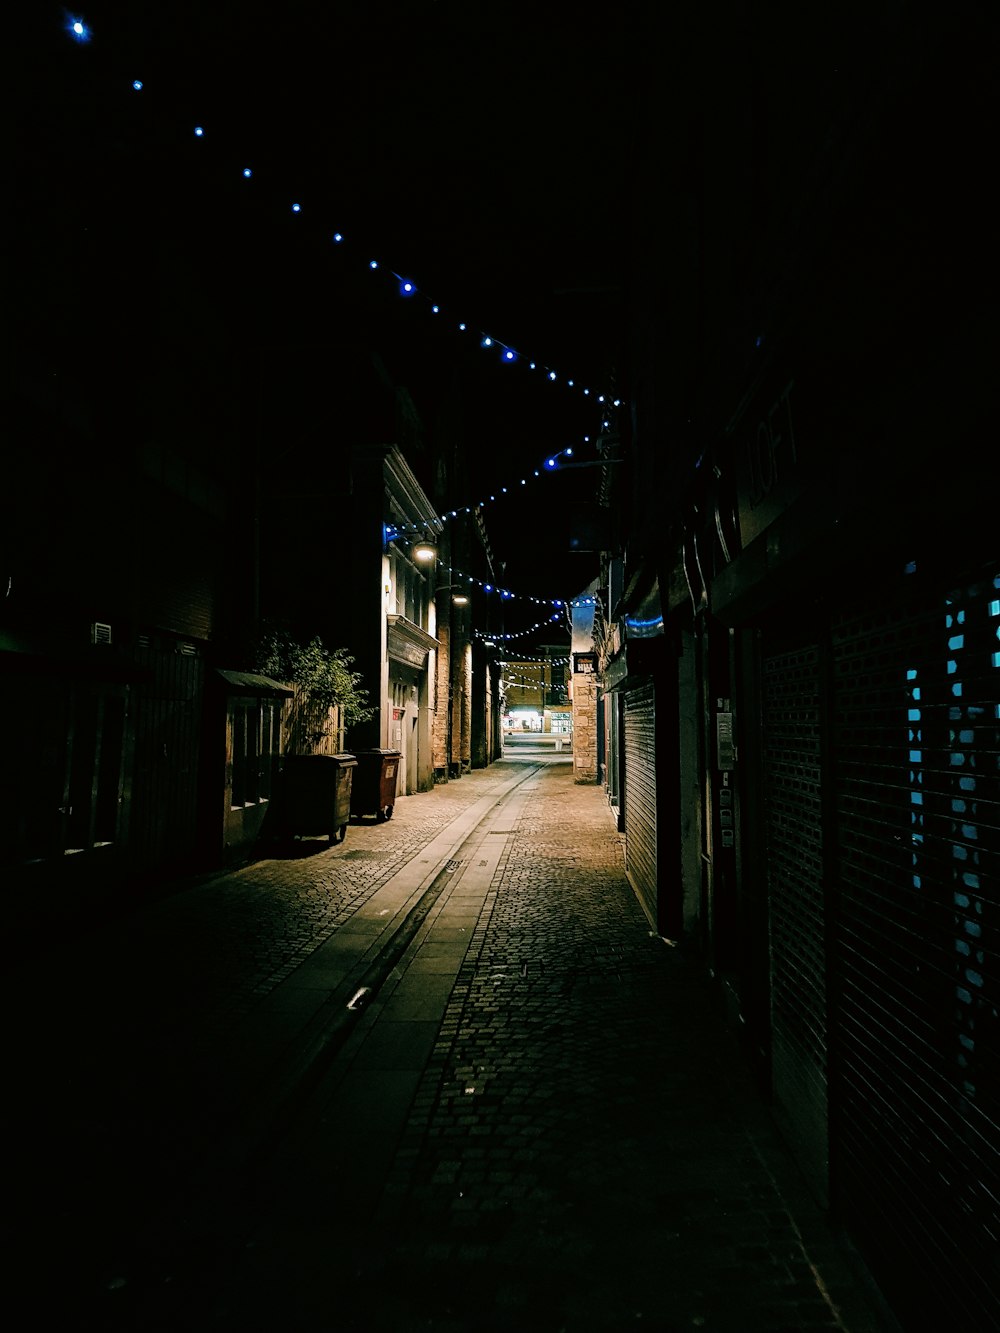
x=459 y=598
x=424 y=552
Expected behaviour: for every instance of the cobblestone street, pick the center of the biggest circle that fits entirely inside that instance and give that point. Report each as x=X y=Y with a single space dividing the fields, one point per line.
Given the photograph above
x=537 y=1120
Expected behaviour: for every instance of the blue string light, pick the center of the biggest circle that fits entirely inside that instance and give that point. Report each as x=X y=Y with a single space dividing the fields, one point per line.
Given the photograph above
x=551 y=464
x=82 y=33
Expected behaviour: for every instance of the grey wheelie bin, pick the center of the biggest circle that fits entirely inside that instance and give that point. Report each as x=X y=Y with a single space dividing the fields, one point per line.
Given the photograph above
x=316 y=794
x=373 y=791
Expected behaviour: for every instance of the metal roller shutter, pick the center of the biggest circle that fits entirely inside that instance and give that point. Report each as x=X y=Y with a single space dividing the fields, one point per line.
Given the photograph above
x=792 y=766
x=917 y=740
x=640 y=795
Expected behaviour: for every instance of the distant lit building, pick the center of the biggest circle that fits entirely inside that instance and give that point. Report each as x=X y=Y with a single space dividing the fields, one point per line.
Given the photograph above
x=537 y=696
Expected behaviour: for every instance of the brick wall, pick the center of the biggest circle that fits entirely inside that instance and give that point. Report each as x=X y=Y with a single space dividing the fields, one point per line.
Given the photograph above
x=585 y=728
x=439 y=722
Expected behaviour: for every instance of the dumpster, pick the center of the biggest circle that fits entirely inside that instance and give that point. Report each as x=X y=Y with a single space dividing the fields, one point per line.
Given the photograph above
x=373 y=791
x=316 y=794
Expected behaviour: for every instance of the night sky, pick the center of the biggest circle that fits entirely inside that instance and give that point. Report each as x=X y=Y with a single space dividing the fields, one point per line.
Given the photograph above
x=480 y=151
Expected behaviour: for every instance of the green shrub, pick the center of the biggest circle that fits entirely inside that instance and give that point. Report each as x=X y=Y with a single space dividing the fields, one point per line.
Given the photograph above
x=323 y=674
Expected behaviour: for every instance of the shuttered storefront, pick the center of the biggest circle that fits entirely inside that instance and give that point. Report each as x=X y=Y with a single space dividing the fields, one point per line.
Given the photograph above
x=880 y=748
x=792 y=772
x=639 y=740
x=916 y=746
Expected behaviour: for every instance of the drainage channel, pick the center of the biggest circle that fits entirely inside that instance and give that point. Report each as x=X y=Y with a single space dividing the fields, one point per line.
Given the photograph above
x=339 y=1024
x=401 y=939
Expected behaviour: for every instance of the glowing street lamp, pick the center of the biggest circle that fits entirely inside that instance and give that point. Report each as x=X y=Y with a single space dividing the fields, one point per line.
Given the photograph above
x=458 y=598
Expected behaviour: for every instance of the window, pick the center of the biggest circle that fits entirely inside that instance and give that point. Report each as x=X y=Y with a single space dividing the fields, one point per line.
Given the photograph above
x=239 y=779
x=256 y=733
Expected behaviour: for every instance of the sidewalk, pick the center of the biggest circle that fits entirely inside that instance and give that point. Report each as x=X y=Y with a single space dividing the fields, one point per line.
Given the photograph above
x=535 y=1120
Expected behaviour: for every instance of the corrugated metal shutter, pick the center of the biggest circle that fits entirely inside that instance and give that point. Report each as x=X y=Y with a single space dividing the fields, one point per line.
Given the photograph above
x=792 y=766
x=917 y=734
x=640 y=795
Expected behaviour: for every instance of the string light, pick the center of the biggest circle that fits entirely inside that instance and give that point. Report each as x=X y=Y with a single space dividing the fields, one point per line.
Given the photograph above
x=394 y=532
x=519 y=634
x=551 y=465
x=504 y=593
x=509 y=355
x=81 y=33
x=546 y=661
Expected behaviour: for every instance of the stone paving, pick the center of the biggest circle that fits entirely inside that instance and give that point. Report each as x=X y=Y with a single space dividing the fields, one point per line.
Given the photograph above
x=569 y=1143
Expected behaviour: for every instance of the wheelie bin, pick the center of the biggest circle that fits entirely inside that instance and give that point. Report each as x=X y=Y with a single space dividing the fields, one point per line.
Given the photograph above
x=373 y=791
x=316 y=794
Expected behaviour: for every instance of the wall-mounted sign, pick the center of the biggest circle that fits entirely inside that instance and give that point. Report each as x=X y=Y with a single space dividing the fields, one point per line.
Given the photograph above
x=584 y=664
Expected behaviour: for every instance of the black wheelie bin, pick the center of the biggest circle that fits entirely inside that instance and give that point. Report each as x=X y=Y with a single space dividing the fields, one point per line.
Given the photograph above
x=373 y=791
x=316 y=794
